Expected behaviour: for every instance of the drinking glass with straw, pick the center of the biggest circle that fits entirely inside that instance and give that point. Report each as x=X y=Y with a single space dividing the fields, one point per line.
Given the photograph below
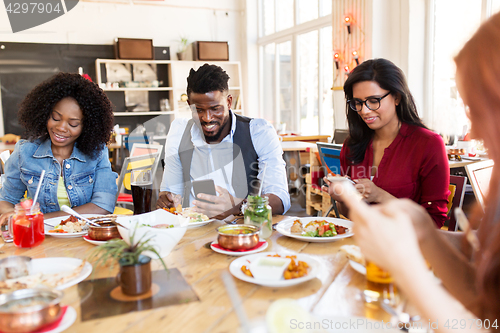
x=26 y=225
x=32 y=209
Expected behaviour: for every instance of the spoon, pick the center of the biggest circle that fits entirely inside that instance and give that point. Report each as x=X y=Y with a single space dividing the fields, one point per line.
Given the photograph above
x=68 y=210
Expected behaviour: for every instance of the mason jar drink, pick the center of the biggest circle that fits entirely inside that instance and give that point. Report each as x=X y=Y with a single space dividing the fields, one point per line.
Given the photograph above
x=26 y=227
x=257 y=212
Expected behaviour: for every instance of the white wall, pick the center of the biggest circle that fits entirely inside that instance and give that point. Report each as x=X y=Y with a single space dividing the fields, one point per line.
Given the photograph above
x=395 y=30
x=164 y=22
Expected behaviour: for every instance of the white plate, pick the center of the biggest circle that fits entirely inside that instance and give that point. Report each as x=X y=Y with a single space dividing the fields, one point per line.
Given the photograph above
x=56 y=220
x=235 y=269
x=199 y=224
x=93 y=241
x=68 y=320
x=61 y=264
x=241 y=253
x=358 y=267
x=284 y=227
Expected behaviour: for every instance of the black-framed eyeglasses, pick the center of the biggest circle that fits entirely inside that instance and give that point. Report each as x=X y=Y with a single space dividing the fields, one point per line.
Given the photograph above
x=372 y=103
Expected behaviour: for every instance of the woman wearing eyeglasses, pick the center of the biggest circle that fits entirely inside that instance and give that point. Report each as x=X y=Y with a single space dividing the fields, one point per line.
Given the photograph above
x=389 y=152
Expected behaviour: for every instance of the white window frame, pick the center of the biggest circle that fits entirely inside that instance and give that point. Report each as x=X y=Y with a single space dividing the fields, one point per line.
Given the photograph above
x=291 y=34
x=486 y=9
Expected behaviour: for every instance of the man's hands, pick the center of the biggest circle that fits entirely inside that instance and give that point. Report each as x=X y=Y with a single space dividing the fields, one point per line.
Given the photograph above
x=168 y=200
x=223 y=205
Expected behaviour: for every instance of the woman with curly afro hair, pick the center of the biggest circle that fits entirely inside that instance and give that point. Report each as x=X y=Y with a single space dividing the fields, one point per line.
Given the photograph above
x=68 y=121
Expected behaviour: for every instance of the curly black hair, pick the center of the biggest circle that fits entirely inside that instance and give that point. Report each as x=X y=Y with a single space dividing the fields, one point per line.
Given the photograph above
x=206 y=79
x=37 y=106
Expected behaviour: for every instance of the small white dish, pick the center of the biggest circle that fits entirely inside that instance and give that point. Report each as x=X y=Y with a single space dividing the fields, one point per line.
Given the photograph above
x=269 y=268
x=93 y=241
x=238 y=253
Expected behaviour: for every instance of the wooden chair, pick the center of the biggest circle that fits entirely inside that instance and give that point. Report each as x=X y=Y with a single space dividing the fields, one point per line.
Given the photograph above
x=479 y=174
x=455 y=199
x=329 y=154
x=143 y=156
x=339 y=136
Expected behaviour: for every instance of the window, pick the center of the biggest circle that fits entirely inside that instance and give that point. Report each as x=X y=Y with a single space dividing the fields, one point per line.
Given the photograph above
x=296 y=65
x=463 y=17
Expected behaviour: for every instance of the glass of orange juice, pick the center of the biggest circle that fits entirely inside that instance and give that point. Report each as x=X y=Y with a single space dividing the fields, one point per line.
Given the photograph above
x=380 y=286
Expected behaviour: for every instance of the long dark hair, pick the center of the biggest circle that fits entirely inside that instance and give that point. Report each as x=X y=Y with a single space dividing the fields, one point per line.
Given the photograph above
x=389 y=77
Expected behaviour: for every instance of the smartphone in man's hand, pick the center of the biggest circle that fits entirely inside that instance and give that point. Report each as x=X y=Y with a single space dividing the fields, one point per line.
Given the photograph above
x=206 y=186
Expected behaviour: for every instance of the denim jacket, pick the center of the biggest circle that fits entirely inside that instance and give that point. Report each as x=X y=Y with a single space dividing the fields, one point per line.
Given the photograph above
x=86 y=180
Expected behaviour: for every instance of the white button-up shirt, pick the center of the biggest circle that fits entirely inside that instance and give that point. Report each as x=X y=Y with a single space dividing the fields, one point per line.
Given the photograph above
x=215 y=161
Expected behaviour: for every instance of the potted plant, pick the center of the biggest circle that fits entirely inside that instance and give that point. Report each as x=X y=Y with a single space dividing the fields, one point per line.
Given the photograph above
x=135 y=268
x=183 y=45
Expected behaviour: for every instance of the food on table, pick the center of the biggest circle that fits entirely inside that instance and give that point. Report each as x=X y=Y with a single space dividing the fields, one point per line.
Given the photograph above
x=39 y=280
x=158 y=226
x=20 y=304
x=69 y=226
x=318 y=228
x=187 y=212
x=194 y=216
x=237 y=231
x=296 y=227
x=295 y=269
x=174 y=210
x=246 y=271
x=353 y=252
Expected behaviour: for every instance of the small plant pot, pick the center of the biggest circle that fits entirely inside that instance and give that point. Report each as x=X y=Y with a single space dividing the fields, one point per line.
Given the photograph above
x=135 y=279
x=181 y=55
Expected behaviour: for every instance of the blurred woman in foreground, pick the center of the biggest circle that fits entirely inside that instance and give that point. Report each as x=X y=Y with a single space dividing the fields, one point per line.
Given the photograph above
x=473 y=278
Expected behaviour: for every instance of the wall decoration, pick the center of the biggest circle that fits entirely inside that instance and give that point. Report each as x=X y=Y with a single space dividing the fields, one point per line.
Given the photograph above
x=348 y=38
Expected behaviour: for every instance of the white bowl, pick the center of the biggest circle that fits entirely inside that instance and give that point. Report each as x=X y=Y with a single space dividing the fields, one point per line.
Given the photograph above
x=163 y=239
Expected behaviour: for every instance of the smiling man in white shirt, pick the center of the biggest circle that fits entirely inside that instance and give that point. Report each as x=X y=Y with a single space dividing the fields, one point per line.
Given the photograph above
x=220 y=145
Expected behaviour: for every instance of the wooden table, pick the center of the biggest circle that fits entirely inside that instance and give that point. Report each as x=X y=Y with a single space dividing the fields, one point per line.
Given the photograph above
x=306 y=138
x=297 y=146
x=336 y=291
x=7 y=146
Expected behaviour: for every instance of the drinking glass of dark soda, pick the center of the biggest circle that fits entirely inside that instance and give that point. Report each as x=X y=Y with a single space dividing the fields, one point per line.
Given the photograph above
x=141 y=183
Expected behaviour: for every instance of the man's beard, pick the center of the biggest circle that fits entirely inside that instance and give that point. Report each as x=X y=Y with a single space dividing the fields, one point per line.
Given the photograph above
x=215 y=136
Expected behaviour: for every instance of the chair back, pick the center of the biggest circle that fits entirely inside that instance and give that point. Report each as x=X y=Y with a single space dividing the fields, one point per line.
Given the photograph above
x=329 y=154
x=479 y=174
x=455 y=199
x=339 y=135
x=143 y=157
